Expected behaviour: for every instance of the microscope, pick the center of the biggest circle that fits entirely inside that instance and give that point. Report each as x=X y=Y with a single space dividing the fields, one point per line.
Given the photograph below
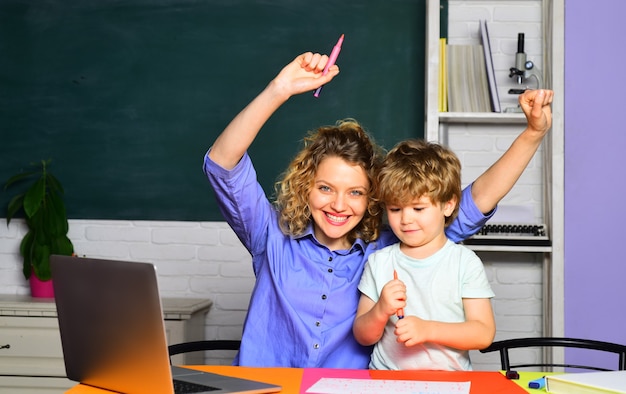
x=524 y=69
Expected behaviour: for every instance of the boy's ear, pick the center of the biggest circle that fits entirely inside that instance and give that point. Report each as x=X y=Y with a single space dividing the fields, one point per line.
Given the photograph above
x=449 y=206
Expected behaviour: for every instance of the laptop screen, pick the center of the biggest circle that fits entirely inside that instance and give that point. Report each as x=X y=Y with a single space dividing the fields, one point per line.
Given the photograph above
x=113 y=332
x=111 y=324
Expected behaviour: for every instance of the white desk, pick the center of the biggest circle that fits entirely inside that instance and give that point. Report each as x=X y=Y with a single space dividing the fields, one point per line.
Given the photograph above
x=31 y=357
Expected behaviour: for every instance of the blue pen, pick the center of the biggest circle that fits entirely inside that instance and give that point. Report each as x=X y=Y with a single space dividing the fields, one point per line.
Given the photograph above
x=537 y=383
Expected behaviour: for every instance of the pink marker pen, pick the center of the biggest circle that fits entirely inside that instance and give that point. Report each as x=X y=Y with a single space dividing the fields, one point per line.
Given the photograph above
x=331 y=60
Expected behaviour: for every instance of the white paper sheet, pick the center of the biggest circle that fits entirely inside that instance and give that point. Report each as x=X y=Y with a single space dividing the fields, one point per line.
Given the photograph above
x=380 y=386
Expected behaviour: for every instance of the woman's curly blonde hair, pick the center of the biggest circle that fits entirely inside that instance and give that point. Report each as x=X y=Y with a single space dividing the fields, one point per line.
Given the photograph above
x=346 y=140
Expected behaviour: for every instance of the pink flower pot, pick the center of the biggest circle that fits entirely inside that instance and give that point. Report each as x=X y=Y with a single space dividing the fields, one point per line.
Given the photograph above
x=41 y=288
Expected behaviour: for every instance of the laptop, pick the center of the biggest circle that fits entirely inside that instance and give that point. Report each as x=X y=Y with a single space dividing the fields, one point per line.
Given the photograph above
x=113 y=332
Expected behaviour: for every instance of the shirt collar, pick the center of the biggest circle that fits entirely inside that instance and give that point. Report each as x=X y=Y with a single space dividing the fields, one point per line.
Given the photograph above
x=358 y=245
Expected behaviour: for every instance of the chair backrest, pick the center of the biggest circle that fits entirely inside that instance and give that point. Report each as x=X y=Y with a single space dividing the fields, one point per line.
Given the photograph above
x=197 y=346
x=504 y=346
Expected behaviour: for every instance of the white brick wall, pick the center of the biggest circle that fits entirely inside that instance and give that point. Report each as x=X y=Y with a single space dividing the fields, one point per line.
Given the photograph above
x=206 y=260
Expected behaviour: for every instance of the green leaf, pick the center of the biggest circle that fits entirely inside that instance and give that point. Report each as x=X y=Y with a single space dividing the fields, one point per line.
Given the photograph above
x=41 y=238
x=34 y=197
x=41 y=261
x=62 y=245
x=27 y=244
x=14 y=206
x=55 y=216
x=26 y=248
x=50 y=225
x=53 y=184
x=27 y=270
x=19 y=177
x=36 y=222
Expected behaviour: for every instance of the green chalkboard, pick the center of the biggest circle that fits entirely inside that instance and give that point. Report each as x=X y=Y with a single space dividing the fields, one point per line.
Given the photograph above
x=126 y=96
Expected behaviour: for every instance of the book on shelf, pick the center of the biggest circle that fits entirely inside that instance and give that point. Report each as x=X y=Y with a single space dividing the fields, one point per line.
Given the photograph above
x=491 y=74
x=587 y=383
x=443 y=78
x=468 y=89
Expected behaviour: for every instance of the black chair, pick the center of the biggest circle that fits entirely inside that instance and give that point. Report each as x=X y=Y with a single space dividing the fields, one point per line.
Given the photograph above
x=198 y=346
x=504 y=346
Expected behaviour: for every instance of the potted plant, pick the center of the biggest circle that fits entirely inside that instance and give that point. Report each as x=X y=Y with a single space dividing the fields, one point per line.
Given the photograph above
x=41 y=202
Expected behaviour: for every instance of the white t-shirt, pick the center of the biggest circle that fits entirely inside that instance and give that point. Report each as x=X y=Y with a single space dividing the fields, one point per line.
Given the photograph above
x=436 y=287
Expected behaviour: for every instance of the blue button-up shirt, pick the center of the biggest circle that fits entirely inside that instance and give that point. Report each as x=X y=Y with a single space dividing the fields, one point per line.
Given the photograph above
x=305 y=297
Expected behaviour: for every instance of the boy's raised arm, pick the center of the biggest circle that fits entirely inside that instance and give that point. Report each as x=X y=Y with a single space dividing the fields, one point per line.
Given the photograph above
x=499 y=179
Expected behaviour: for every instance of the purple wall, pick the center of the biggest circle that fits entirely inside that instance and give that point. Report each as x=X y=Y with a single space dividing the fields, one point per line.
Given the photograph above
x=595 y=171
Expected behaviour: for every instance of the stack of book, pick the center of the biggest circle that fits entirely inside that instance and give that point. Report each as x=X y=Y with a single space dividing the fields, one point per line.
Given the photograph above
x=467 y=79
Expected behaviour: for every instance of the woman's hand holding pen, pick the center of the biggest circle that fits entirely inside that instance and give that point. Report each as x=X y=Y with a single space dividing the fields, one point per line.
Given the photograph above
x=304 y=74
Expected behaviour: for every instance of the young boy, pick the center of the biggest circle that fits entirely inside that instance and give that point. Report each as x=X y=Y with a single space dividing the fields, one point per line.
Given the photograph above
x=439 y=308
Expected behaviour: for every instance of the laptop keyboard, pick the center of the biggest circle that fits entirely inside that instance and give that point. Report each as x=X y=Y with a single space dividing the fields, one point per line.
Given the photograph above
x=181 y=387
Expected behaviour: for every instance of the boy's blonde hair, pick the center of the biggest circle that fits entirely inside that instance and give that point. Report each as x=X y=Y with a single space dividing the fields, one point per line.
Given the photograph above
x=346 y=140
x=416 y=168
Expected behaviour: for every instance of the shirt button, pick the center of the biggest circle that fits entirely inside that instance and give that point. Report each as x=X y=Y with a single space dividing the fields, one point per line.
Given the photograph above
x=330 y=258
x=330 y=270
x=317 y=323
x=316 y=346
x=323 y=296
